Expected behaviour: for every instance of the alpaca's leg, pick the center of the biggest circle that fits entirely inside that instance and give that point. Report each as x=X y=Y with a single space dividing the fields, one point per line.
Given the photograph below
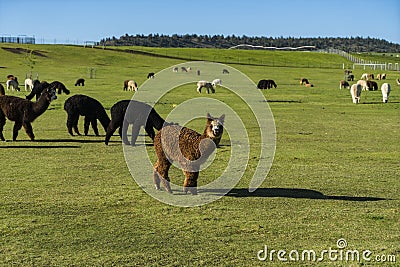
x=190 y=183
x=2 y=123
x=29 y=130
x=94 y=126
x=156 y=177
x=72 y=123
x=161 y=173
x=120 y=131
x=86 y=125
x=124 y=131
x=17 y=127
x=135 y=132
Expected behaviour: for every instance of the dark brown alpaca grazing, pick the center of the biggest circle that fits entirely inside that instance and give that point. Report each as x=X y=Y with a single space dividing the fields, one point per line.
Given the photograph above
x=80 y=82
x=23 y=111
x=90 y=108
x=187 y=147
x=139 y=114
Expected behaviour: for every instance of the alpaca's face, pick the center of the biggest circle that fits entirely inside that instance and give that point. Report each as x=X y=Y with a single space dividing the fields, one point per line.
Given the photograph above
x=215 y=126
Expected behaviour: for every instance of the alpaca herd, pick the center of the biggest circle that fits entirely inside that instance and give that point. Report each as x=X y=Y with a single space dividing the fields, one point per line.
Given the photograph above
x=366 y=83
x=172 y=142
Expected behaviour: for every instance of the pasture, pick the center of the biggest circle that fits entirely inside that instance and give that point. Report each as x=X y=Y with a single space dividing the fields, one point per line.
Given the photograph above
x=71 y=201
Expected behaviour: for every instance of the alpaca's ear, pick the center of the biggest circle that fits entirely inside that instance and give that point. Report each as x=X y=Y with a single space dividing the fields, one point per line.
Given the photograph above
x=222 y=118
x=209 y=117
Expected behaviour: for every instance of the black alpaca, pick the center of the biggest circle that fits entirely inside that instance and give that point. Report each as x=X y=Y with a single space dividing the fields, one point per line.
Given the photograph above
x=266 y=84
x=139 y=114
x=80 y=82
x=39 y=87
x=23 y=111
x=150 y=75
x=90 y=108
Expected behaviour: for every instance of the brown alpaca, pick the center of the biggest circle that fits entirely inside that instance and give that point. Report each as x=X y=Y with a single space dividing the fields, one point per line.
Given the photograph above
x=187 y=147
x=23 y=111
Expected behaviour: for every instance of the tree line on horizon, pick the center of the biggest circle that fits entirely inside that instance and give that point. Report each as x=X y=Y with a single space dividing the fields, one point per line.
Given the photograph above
x=348 y=44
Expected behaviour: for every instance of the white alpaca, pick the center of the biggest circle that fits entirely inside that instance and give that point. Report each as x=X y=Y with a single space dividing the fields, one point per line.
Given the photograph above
x=207 y=85
x=363 y=85
x=385 y=88
x=364 y=76
x=355 y=92
x=28 y=83
x=132 y=86
x=216 y=82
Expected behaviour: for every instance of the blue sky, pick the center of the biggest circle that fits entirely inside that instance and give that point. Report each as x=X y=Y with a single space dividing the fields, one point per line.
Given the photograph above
x=89 y=20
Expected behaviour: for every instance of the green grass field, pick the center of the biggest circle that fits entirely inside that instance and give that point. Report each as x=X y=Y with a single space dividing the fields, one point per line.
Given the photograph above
x=71 y=201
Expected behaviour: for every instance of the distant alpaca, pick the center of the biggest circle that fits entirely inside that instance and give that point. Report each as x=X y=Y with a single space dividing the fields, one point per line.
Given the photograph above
x=355 y=92
x=80 y=82
x=187 y=147
x=150 y=75
x=28 y=84
x=12 y=83
x=344 y=84
x=372 y=86
x=138 y=113
x=225 y=71
x=39 y=87
x=366 y=76
x=363 y=84
x=385 y=88
x=88 y=107
x=303 y=81
x=216 y=82
x=207 y=85
x=266 y=84
x=23 y=111
x=350 y=77
x=184 y=69
x=398 y=81
x=130 y=85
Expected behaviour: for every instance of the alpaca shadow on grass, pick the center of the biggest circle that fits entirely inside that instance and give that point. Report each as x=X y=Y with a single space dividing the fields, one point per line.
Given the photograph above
x=292 y=193
x=38 y=146
x=81 y=141
x=282 y=101
x=379 y=102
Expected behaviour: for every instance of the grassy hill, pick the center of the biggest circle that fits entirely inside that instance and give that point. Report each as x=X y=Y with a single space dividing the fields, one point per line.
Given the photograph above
x=72 y=201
